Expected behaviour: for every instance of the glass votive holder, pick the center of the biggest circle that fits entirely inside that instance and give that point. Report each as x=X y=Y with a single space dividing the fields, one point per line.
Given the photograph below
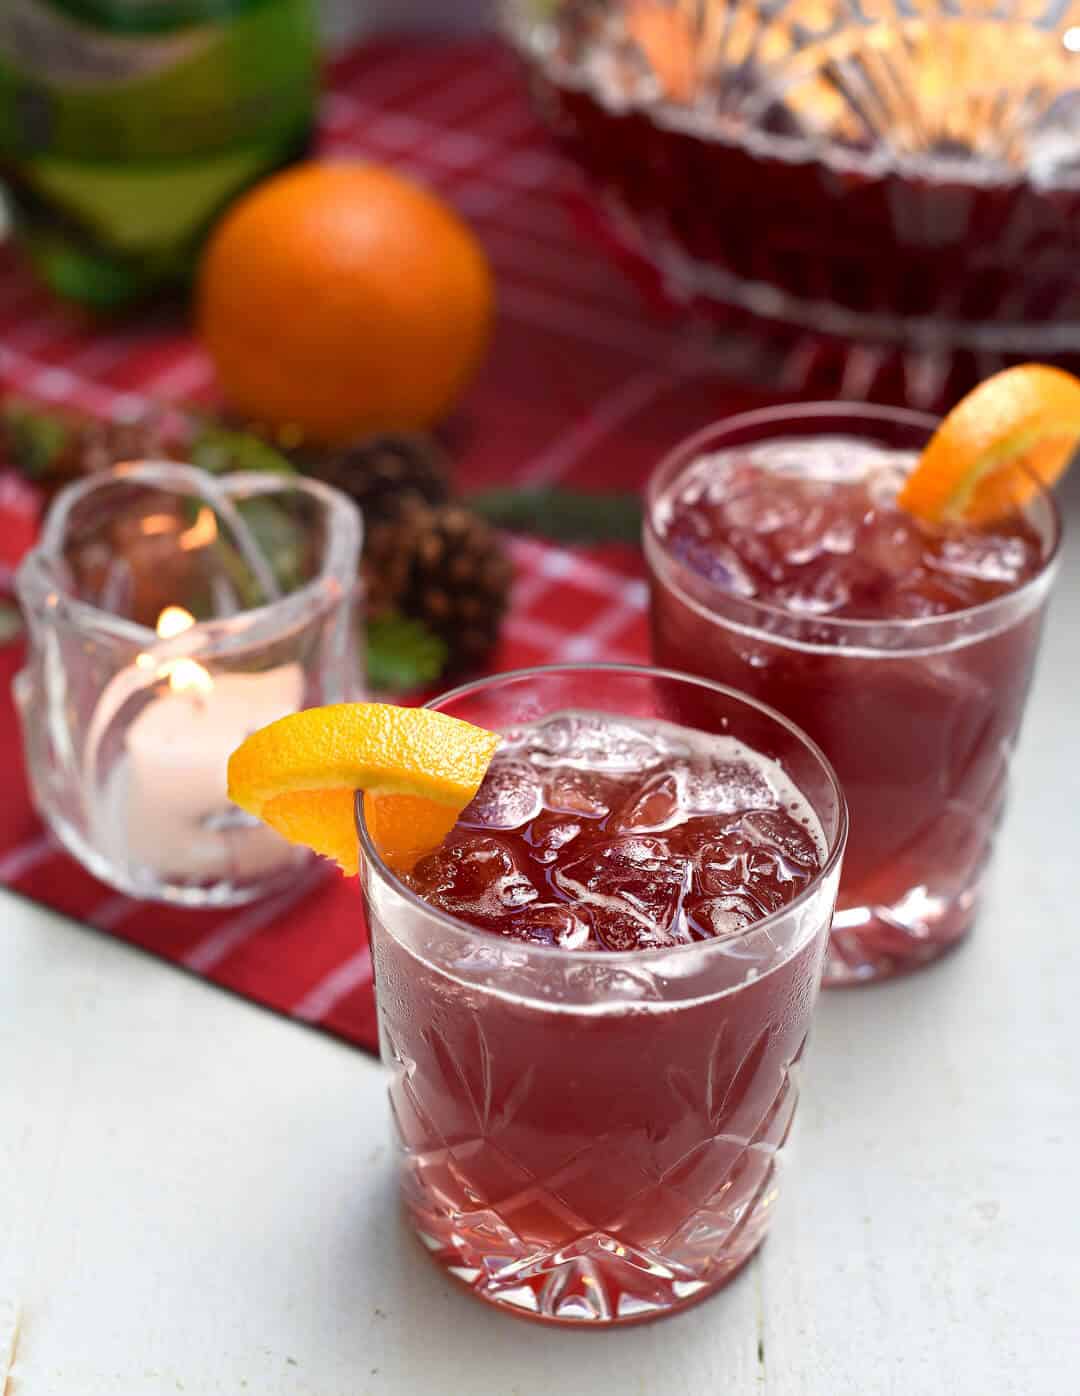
x=170 y=612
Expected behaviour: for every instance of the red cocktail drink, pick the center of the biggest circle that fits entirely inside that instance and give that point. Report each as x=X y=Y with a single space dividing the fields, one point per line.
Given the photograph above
x=781 y=564
x=592 y=998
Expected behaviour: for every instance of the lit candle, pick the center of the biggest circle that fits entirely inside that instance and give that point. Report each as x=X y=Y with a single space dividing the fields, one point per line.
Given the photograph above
x=170 y=790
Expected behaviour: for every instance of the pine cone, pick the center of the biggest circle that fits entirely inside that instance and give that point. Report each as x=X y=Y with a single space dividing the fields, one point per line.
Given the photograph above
x=105 y=444
x=444 y=566
x=53 y=448
x=384 y=473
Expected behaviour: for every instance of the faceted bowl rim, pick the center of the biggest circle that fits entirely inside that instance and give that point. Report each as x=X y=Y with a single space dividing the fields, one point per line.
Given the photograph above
x=876 y=163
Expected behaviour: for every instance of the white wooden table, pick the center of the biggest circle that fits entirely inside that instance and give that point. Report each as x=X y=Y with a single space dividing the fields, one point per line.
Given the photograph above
x=194 y=1194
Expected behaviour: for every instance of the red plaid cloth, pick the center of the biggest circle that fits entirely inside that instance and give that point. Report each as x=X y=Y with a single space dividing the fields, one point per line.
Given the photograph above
x=585 y=385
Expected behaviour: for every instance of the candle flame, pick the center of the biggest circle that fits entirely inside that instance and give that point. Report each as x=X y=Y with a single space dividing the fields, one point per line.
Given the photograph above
x=187 y=676
x=201 y=533
x=184 y=675
x=174 y=620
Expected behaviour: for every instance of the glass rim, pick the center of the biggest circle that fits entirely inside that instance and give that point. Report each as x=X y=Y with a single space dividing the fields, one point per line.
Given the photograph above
x=747 y=608
x=223 y=633
x=834 y=852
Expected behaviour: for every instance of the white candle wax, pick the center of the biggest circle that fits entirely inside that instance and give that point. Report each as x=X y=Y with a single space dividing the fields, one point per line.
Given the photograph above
x=177 y=756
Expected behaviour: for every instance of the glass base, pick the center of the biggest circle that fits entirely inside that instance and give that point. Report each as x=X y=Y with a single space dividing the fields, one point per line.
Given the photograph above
x=596 y=1280
x=297 y=872
x=598 y=1240
x=871 y=943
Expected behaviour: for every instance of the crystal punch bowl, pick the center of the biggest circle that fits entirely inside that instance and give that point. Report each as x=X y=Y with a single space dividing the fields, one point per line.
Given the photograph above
x=889 y=171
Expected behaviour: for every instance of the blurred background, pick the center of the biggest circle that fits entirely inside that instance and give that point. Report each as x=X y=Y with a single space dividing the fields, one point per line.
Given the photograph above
x=349 y=19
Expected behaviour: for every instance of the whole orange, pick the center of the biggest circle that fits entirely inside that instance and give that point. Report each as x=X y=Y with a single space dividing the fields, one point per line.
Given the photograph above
x=342 y=298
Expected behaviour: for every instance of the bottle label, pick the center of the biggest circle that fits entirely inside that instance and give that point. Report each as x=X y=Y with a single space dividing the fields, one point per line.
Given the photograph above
x=72 y=90
x=48 y=46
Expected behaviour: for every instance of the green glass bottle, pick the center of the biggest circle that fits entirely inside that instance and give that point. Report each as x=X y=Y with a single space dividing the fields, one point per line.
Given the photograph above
x=127 y=125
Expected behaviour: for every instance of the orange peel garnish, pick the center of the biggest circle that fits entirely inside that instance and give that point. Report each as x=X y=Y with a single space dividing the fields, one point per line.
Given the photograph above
x=1016 y=431
x=418 y=770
